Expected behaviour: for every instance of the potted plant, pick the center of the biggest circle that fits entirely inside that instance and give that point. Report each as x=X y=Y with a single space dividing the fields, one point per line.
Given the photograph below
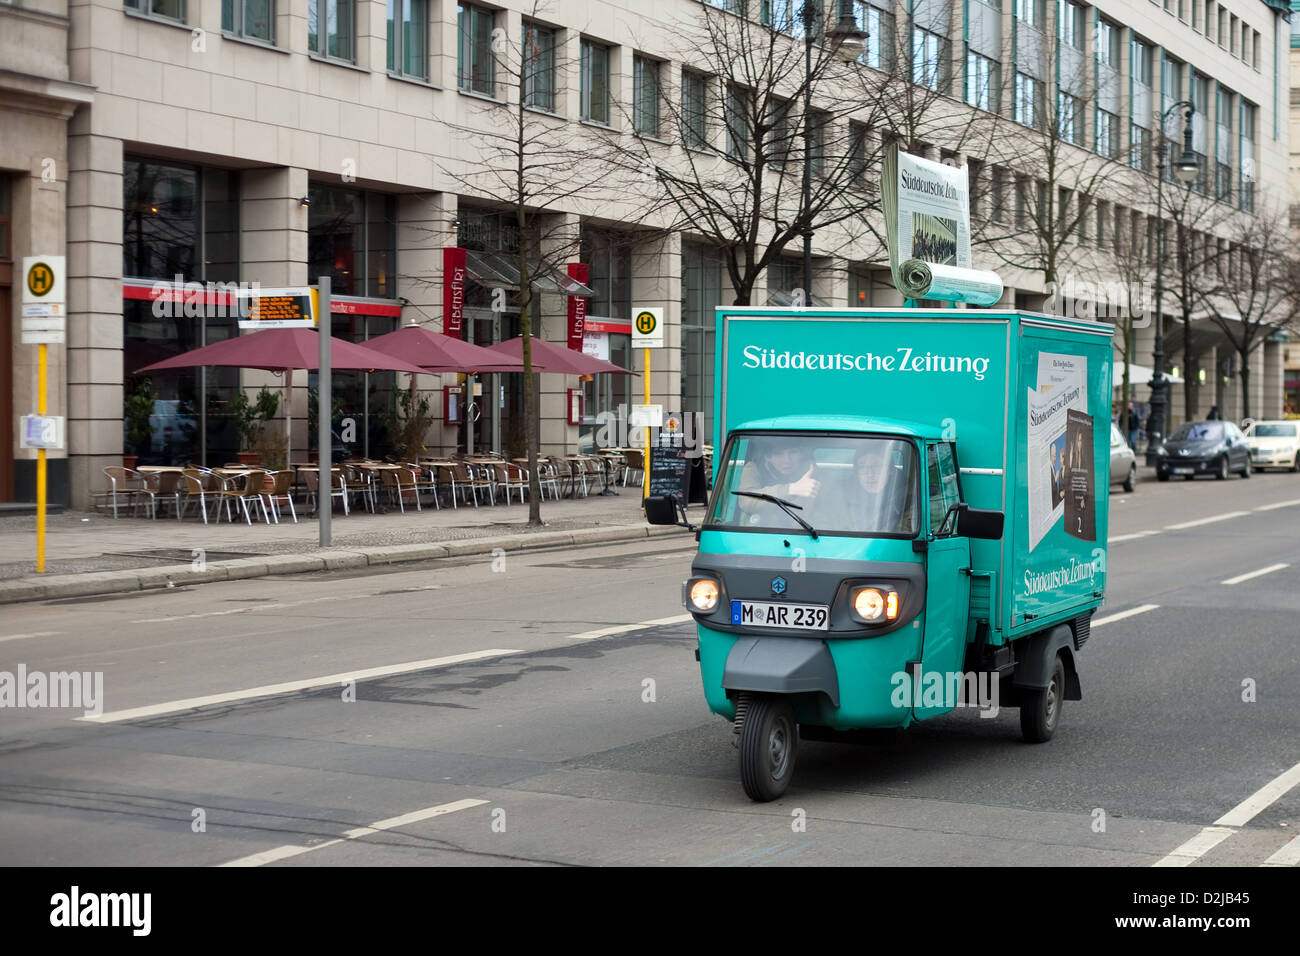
x=137 y=409
x=250 y=419
x=409 y=423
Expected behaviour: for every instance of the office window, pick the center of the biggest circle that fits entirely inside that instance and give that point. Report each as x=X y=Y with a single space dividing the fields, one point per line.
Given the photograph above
x=1200 y=122
x=335 y=21
x=1069 y=117
x=781 y=15
x=163 y=9
x=1141 y=54
x=595 y=82
x=781 y=140
x=1070 y=19
x=1221 y=36
x=878 y=24
x=539 y=66
x=1102 y=208
x=253 y=19
x=475 y=61
x=1139 y=153
x=1246 y=188
x=859 y=154
x=408 y=38
x=736 y=117
x=998 y=195
x=1232 y=35
x=1254 y=53
x=1028 y=102
x=983 y=82
x=975 y=180
x=1107 y=141
x=930 y=60
x=818 y=124
x=1108 y=44
x=1031 y=12
x=645 y=96
x=695 y=92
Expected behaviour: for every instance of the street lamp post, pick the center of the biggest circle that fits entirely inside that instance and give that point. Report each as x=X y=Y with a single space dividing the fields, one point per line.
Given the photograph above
x=848 y=41
x=1186 y=169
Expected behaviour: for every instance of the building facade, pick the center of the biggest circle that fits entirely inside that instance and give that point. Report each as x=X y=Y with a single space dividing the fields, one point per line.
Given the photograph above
x=203 y=142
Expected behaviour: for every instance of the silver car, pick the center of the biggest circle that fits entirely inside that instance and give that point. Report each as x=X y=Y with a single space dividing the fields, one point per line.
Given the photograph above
x=1123 y=463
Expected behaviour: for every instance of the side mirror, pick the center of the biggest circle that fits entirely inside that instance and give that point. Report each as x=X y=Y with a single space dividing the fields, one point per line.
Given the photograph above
x=975 y=523
x=664 y=509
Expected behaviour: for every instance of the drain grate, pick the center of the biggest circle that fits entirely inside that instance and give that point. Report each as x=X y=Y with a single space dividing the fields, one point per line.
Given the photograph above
x=174 y=555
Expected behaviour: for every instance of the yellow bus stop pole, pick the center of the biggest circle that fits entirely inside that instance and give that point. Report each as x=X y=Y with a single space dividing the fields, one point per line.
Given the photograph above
x=645 y=462
x=40 y=464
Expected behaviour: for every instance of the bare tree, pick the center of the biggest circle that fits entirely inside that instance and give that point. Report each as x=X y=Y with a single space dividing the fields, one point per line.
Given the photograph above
x=1251 y=296
x=760 y=107
x=529 y=163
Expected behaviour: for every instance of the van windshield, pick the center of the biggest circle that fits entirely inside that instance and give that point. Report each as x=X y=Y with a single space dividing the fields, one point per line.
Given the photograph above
x=841 y=484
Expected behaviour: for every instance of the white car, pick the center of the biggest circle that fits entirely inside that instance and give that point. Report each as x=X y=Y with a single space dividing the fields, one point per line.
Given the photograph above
x=1274 y=444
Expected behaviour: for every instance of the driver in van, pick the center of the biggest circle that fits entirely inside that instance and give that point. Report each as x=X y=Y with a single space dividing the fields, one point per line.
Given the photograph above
x=779 y=467
x=879 y=495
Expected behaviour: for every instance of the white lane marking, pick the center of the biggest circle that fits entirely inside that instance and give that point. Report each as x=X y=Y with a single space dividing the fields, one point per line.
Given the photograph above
x=1255 y=574
x=1289 y=855
x=1279 y=504
x=289 y=687
x=1119 y=616
x=1200 y=521
x=23 y=637
x=285 y=852
x=242 y=610
x=625 y=628
x=1197 y=846
x=1260 y=800
x=1130 y=537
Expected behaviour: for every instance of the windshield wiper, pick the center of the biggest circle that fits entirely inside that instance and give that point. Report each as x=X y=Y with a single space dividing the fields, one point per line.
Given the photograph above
x=783 y=505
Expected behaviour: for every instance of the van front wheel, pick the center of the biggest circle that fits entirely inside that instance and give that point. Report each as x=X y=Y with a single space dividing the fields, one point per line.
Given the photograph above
x=1040 y=710
x=769 y=744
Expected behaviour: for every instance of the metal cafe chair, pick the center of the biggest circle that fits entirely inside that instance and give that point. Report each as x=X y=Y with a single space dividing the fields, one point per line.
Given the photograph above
x=279 y=488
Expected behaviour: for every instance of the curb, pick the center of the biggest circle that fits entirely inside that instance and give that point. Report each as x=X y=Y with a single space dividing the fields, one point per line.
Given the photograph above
x=182 y=575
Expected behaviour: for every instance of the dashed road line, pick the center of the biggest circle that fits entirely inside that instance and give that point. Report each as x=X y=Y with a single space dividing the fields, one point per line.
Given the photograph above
x=290 y=687
x=625 y=628
x=1279 y=504
x=23 y=637
x=1197 y=846
x=1289 y=855
x=279 y=606
x=1130 y=537
x=285 y=852
x=1210 y=520
x=1121 y=615
x=1255 y=574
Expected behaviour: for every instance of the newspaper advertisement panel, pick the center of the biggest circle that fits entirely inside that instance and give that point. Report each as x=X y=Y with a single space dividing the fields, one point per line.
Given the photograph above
x=927 y=227
x=1060 y=449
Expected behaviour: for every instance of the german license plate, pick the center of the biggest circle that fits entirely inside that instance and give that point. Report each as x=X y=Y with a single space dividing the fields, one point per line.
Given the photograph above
x=802 y=617
x=1184 y=471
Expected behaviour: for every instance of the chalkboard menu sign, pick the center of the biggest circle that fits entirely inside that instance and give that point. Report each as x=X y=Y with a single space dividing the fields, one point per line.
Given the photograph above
x=670 y=473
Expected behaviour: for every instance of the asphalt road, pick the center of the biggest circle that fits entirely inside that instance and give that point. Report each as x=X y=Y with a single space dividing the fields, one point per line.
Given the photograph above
x=548 y=710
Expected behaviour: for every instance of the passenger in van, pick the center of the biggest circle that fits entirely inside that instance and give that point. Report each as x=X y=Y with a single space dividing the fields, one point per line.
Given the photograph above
x=879 y=497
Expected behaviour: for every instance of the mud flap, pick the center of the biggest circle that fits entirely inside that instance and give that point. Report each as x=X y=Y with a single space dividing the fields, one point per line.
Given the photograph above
x=1036 y=655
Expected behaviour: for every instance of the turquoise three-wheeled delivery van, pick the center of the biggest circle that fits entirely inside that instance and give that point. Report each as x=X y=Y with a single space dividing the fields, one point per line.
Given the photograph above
x=908 y=515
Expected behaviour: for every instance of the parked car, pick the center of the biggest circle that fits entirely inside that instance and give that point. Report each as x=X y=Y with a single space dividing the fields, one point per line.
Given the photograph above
x=1123 y=463
x=1274 y=444
x=1215 y=448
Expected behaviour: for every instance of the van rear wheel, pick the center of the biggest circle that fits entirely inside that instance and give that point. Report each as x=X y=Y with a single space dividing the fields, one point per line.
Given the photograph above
x=1040 y=710
x=769 y=744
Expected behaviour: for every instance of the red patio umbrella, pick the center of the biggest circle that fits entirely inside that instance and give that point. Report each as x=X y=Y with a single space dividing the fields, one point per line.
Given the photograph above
x=550 y=357
x=435 y=352
x=284 y=349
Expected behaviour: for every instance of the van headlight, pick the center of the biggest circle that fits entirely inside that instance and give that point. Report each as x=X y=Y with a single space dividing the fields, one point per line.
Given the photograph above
x=702 y=595
x=874 y=605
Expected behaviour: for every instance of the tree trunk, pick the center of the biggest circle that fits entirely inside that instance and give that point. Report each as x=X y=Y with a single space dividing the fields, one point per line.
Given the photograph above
x=531 y=428
x=1245 y=385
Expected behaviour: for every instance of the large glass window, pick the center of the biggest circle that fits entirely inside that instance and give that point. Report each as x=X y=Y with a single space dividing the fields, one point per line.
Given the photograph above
x=1069 y=117
x=1246 y=188
x=695 y=92
x=737 y=119
x=1028 y=103
x=1142 y=58
x=408 y=38
x=856 y=485
x=254 y=19
x=1139 y=154
x=704 y=288
x=539 y=67
x=1031 y=12
x=352 y=237
x=645 y=96
x=475 y=62
x=1108 y=41
x=595 y=82
x=1107 y=143
x=335 y=22
x=1070 y=19
x=1223 y=146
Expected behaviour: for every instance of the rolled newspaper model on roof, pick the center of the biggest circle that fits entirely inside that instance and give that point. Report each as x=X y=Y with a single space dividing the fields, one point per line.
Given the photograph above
x=927 y=231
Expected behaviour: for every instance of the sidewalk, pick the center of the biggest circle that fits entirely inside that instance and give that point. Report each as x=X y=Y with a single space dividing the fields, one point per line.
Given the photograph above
x=95 y=554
